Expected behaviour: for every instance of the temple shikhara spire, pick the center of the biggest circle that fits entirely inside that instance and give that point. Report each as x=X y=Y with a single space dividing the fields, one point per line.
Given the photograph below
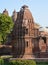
x=14 y=16
x=5 y=12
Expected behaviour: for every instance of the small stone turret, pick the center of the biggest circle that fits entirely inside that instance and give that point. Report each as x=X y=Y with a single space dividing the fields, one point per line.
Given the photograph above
x=14 y=16
x=5 y=12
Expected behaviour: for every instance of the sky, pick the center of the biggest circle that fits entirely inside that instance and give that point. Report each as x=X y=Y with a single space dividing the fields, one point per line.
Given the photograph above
x=38 y=8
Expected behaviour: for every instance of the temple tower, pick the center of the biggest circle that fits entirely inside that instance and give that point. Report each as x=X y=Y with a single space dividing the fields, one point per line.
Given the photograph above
x=14 y=16
x=5 y=12
x=23 y=33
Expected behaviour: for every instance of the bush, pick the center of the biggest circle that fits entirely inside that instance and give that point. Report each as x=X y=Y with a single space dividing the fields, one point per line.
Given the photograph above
x=42 y=63
x=16 y=62
x=20 y=62
x=23 y=62
x=1 y=62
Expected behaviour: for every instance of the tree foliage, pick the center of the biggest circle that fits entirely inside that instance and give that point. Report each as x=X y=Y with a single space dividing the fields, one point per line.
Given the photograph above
x=6 y=25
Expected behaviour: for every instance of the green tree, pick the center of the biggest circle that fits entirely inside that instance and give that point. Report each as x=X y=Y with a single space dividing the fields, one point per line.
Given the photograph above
x=6 y=25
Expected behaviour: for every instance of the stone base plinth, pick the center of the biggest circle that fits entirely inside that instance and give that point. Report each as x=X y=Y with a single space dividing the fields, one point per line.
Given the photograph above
x=28 y=56
x=24 y=56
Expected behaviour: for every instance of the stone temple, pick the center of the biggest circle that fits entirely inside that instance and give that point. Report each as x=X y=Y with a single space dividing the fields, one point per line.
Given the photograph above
x=26 y=36
x=28 y=40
